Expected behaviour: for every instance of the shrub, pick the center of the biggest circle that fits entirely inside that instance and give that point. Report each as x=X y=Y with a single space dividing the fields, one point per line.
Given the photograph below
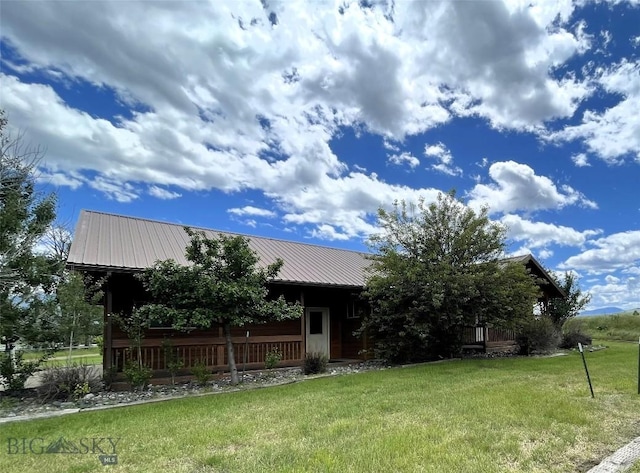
x=272 y=358
x=201 y=373
x=538 y=336
x=68 y=382
x=172 y=361
x=137 y=375
x=14 y=373
x=99 y=339
x=315 y=363
x=572 y=337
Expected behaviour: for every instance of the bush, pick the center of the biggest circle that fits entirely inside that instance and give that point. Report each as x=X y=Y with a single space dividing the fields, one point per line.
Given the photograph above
x=201 y=372
x=538 y=336
x=14 y=373
x=272 y=358
x=137 y=375
x=572 y=337
x=68 y=382
x=171 y=359
x=99 y=340
x=315 y=363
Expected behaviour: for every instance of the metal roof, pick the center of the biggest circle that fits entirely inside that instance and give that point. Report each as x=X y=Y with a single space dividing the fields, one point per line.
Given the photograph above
x=110 y=242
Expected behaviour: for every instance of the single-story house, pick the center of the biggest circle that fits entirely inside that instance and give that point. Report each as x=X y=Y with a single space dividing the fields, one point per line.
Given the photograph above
x=326 y=281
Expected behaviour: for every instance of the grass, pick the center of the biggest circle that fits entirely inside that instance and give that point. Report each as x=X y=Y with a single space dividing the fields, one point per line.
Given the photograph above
x=497 y=415
x=624 y=326
x=89 y=356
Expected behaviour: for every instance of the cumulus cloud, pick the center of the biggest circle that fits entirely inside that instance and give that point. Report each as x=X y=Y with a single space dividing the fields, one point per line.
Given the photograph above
x=517 y=187
x=404 y=158
x=541 y=234
x=616 y=251
x=612 y=134
x=237 y=102
x=444 y=160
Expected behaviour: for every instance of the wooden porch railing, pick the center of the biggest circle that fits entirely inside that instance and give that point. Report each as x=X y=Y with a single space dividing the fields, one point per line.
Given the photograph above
x=480 y=335
x=212 y=352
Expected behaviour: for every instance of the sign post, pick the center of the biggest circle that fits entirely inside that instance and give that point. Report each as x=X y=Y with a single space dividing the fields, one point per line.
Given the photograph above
x=638 y=365
x=584 y=362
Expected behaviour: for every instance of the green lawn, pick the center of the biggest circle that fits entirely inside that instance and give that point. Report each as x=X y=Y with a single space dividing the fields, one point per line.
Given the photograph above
x=462 y=416
x=89 y=356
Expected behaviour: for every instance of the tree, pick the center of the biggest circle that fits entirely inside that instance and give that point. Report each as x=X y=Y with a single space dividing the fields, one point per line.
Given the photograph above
x=223 y=285
x=80 y=316
x=561 y=310
x=435 y=269
x=25 y=216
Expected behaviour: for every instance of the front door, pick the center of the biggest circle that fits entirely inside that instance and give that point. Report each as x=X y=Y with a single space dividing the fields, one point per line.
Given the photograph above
x=317 y=323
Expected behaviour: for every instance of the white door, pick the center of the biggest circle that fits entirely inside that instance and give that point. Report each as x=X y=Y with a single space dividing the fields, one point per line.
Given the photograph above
x=317 y=323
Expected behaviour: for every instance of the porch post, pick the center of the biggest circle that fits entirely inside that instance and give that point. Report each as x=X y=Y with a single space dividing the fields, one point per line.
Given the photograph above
x=107 y=359
x=303 y=331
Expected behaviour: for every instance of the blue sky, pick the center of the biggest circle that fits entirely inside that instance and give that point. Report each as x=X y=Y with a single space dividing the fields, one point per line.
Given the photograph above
x=298 y=120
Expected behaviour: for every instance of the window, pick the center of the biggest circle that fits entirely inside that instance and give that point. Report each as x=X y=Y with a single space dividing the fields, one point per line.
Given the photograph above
x=355 y=309
x=315 y=322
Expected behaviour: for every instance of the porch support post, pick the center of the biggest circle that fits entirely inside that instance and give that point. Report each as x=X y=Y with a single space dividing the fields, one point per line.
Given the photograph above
x=107 y=357
x=303 y=331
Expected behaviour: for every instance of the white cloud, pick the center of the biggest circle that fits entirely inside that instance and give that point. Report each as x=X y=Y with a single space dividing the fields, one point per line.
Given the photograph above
x=328 y=232
x=403 y=158
x=614 y=291
x=60 y=179
x=517 y=187
x=541 y=234
x=163 y=194
x=612 y=134
x=616 y=251
x=442 y=155
x=235 y=103
x=115 y=190
x=250 y=210
x=580 y=160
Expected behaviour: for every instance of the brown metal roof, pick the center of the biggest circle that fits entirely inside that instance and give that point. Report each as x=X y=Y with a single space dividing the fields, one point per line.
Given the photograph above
x=118 y=243
x=110 y=242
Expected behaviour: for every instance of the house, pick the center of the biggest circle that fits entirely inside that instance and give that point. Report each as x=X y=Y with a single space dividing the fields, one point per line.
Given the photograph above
x=326 y=281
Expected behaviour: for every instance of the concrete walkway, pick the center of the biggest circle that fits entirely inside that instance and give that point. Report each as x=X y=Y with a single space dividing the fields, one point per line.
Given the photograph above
x=621 y=460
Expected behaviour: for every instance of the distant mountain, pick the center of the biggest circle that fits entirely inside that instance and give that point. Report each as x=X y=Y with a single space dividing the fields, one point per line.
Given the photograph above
x=602 y=311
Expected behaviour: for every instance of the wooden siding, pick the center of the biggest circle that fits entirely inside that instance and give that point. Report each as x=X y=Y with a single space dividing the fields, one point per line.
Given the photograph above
x=209 y=346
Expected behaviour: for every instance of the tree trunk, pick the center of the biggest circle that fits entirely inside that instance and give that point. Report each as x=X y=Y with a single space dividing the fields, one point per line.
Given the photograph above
x=230 y=356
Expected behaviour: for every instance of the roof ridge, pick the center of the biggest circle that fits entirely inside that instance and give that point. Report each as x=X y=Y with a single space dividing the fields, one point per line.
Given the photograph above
x=146 y=219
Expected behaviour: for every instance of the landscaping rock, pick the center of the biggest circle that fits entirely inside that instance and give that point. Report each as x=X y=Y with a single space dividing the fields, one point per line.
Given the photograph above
x=28 y=405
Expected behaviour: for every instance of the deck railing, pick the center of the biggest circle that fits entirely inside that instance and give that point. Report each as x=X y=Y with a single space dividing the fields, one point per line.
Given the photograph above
x=480 y=335
x=213 y=353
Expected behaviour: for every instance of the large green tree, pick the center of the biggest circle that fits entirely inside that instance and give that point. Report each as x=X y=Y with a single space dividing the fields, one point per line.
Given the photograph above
x=436 y=268
x=77 y=308
x=223 y=285
x=25 y=275
x=25 y=216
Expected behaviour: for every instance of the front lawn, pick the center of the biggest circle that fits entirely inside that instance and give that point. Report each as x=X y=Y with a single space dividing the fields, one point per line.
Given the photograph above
x=88 y=356
x=494 y=415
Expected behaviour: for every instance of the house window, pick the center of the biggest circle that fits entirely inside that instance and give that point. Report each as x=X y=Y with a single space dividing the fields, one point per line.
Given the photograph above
x=355 y=310
x=315 y=323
